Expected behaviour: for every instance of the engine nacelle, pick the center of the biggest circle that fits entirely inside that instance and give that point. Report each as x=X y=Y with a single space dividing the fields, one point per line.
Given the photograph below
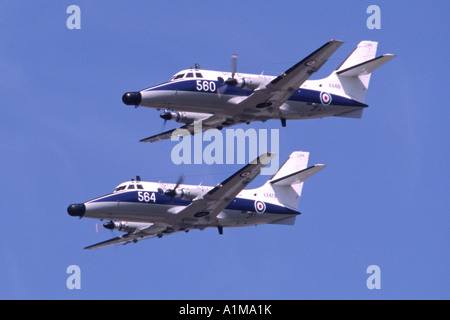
x=184 y=117
x=191 y=193
x=250 y=83
x=188 y=193
x=125 y=226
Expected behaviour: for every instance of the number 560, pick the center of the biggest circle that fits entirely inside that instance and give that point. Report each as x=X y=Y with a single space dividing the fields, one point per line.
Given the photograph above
x=206 y=86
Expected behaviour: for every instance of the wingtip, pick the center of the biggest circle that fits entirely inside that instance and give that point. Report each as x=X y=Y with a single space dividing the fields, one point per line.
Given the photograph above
x=269 y=154
x=149 y=139
x=390 y=55
x=337 y=41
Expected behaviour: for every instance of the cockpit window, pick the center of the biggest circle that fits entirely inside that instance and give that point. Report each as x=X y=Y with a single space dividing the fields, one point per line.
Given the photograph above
x=131 y=186
x=178 y=76
x=190 y=75
x=120 y=188
x=198 y=75
x=140 y=187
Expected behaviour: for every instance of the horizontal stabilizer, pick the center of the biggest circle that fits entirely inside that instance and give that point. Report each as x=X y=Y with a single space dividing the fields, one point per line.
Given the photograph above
x=367 y=67
x=286 y=222
x=357 y=114
x=298 y=176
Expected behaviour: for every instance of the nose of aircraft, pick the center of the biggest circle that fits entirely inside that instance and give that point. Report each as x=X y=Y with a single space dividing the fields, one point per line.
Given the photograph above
x=132 y=98
x=77 y=210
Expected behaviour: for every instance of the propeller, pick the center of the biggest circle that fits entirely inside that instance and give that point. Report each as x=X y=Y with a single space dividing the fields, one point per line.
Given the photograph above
x=166 y=116
x=107 y=225
x=232 y=81
x=173 y=192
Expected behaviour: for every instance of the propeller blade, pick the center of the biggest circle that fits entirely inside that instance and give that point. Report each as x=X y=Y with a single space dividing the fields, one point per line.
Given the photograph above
x=166 y=116
x=234 y=58
x=221 y=89
x=164 y=125
x=97 y=227
x=180 y=181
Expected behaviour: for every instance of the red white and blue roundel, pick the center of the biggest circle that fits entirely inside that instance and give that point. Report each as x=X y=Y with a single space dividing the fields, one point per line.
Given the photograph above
x=325 y=98
x=260 y=207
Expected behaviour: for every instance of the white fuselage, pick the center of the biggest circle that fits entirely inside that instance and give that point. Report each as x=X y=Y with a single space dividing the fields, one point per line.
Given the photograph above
x=203 y=91
x=140 y=201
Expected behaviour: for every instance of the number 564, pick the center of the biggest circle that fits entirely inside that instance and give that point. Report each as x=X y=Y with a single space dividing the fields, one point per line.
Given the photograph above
x=146 y=196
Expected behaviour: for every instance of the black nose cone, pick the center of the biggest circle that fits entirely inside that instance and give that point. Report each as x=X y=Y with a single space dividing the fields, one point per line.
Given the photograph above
x=132 y=98
x=77 y=210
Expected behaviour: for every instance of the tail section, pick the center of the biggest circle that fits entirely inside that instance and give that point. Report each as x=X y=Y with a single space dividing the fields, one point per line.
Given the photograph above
x=354 y=73
x=365 y=51
x=352 y=77
x=287 y=184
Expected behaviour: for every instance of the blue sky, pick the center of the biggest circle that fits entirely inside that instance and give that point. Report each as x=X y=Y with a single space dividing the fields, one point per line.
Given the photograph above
x=66 y=137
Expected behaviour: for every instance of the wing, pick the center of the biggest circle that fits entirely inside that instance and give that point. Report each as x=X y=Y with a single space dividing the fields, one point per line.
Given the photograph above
x=275 y=93
x=192 y=128
x=214 y=201
x=133 y=237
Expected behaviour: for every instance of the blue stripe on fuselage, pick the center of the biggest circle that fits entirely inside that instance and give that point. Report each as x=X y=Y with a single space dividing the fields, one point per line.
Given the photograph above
x=301 y=95
x=148 y=197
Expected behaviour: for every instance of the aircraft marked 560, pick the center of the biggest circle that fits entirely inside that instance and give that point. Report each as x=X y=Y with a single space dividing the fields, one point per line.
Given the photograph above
x=222 y=99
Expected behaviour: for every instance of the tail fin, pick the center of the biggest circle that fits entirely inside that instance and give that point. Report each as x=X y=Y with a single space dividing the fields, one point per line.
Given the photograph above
x=354 y=73
x=365 y=51
x=352 y=77
x=287 y=183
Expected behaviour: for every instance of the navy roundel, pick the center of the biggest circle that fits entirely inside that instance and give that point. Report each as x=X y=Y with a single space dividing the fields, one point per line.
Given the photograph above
x=260 y=207
x=325 y=98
